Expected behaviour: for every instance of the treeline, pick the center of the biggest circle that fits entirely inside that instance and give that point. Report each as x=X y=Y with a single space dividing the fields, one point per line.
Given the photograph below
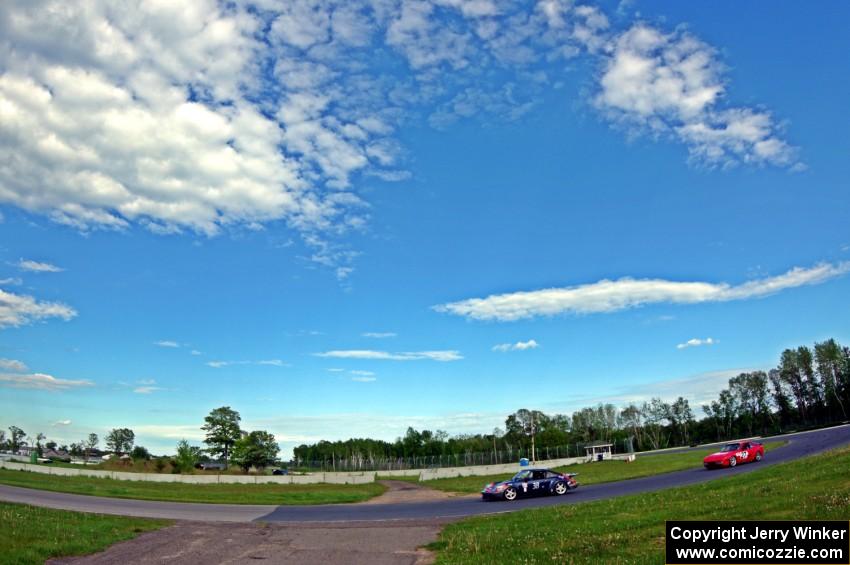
x=809 y=387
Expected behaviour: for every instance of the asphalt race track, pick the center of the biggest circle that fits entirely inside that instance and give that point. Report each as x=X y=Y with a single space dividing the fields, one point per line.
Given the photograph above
x=799 y=446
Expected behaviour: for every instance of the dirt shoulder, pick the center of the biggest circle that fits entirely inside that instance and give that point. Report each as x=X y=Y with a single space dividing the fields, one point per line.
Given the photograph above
x=378 y=543
x=367 y=543
x=400 y=492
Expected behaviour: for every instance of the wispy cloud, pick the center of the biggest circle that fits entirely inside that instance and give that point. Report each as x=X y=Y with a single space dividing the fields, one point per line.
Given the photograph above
x=167 y=343
x=445 y=355
x=363 y=373
x=41 y=381
x=60 y=423
x=146 y=389
x=20 y=310
x=379 y=335
x=364 y=379
x=518 y=346
x=13 y=365
x=268 y=362
x=611 y=296
x=38 y=267
x=696 y=342
x=13 y=281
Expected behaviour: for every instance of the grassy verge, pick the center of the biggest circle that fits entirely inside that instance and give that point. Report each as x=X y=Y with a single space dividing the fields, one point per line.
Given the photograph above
x=177 y=492
x=631 y=529
x=32 y=535
x=598 y=472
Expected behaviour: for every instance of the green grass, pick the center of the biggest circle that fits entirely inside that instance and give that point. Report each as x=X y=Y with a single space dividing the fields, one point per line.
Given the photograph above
x=33 y=535
x=597 y=472
x=631 y=529
x=177 y=492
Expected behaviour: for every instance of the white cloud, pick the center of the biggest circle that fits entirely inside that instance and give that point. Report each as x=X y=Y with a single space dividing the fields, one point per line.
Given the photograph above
x=379 y=335
x=209 y=115
x=146 y=389
x=61 y=423
x=19 y=310
x=446 y=355
x=363 y=373
x=16 y=281
x=611 y=296
x=40 y=381
x=698 y=389
x=269 y=362
x=336 y=370
x=195 y=352
x=37 y=267
x=13 y=365
x=364 y=379
x=672 y=83
x=518 y=346
x=696 y=342
x=167 y=343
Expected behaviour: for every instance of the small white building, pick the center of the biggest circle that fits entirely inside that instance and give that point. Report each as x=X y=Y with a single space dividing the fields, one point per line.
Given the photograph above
x=598 y=451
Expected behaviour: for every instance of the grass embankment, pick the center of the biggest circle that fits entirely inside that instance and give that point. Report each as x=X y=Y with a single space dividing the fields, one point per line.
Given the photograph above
x=33 y=535
x=631 y=529
x=598 y=472
x=178 y=492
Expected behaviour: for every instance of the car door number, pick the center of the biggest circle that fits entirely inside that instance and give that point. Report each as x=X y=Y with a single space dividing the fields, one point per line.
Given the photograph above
x=742 y=454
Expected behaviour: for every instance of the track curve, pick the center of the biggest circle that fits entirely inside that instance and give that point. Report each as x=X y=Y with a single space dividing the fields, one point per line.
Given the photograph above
x=799 y=446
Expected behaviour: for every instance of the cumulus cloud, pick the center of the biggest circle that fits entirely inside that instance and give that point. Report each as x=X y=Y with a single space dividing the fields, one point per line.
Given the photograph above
x=611 y=296
x=13 y=365
x=673 y=83
x=19 y=310
x=41 y=381
x=518 y=346
x=209 y=115
x=696 y=342
x=445 y=355
x=38 y=267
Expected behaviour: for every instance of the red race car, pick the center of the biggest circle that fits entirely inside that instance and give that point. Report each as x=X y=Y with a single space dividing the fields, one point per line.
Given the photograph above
x=734 y=453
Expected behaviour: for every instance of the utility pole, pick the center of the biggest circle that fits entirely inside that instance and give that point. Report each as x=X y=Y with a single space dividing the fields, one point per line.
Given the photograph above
x=533 y=455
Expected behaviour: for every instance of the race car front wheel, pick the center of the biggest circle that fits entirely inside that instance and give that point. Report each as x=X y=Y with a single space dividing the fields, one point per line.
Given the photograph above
x=510 y=493
x=733 y=462
x=560 y=488
x=758 y=457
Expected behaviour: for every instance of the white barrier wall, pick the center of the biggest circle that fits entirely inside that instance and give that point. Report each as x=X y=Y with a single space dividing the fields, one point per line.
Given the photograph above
x=313 y=478
x=310 y=479
x=508 y=468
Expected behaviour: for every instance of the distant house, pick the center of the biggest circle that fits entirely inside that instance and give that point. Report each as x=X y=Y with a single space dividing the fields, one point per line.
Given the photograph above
x=56 y=455
x=210 y=466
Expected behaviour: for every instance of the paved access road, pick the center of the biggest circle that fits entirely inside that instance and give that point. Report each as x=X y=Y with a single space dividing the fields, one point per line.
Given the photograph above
x=799 y=446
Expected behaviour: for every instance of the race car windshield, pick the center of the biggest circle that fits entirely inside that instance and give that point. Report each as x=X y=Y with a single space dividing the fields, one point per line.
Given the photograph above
x=730 y=447
x=522 y=475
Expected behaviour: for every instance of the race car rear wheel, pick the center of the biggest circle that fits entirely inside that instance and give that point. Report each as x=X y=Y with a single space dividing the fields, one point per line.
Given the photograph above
x=561 y=488
x=733 y=462
x=510 y=493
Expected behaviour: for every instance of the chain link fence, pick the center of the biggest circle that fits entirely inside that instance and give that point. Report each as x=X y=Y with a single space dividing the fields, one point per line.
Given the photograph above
x=377 y=463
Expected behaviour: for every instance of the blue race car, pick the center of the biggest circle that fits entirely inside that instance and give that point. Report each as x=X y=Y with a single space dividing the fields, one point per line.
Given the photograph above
x=530 y=482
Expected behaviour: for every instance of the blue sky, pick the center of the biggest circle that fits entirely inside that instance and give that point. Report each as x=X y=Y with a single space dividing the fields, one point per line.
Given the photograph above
x=346 y=218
